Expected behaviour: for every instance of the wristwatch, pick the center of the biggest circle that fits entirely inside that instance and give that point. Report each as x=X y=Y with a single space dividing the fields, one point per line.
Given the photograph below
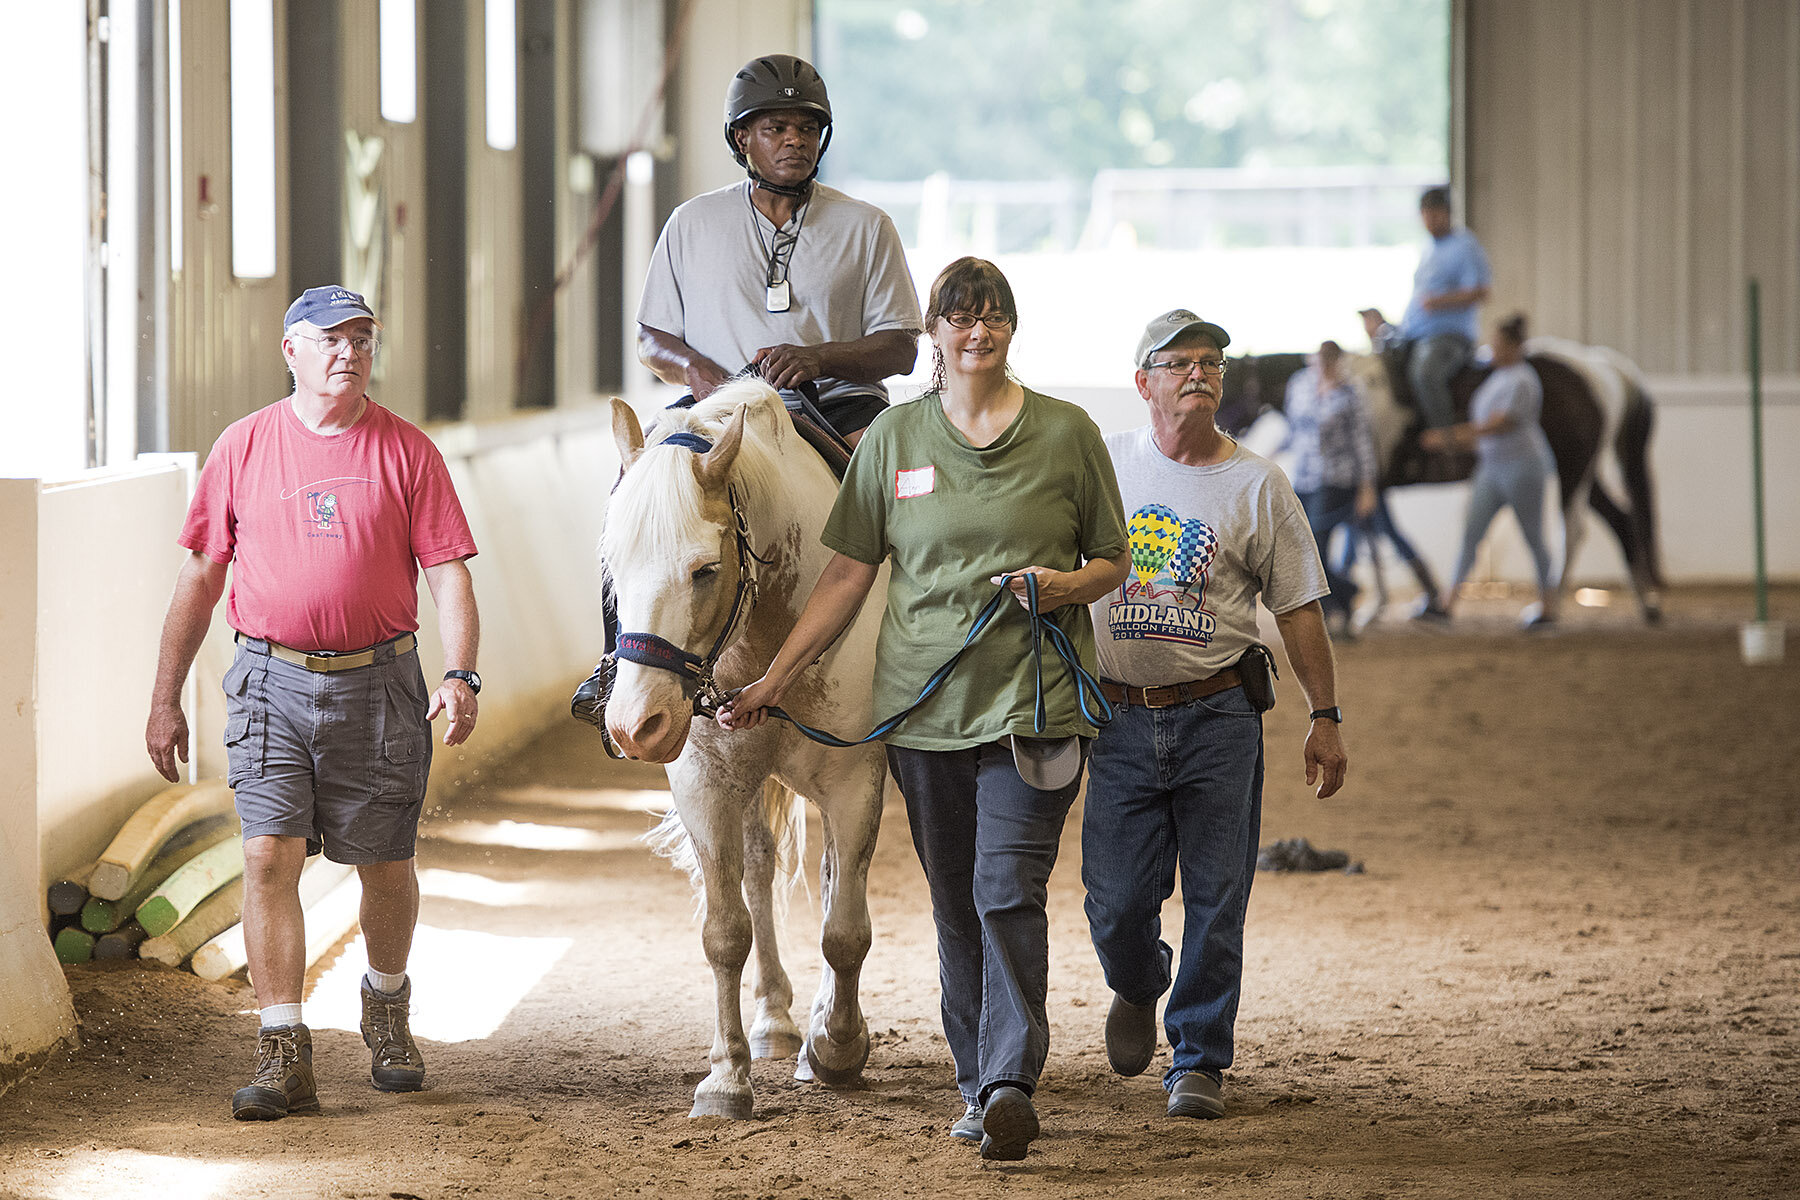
x=1334 y=713
x=473 y=679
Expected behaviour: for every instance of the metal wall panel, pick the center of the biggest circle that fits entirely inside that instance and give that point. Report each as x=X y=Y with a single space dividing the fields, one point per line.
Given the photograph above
x=226 y=357
x=1631 y=163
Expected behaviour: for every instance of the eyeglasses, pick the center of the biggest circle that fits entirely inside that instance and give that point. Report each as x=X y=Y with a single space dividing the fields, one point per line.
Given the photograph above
x=1183 y=367
x=993 y=320
x=332 y=344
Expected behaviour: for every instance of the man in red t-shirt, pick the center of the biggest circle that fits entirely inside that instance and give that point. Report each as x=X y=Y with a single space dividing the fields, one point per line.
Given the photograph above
x=325 y=506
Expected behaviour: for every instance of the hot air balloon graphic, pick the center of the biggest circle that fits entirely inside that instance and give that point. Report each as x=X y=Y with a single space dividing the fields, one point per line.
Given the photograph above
x=1194 y=551
x=1154 y=533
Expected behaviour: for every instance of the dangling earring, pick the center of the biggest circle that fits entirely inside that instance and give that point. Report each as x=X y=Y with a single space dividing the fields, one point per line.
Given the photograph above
x=937 y=368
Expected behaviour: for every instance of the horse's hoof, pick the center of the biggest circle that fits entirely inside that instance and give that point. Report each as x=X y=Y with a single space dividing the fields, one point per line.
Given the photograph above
x=733 y=1103
x=775 y=1043
x=803 y=1071
x=838 y=1064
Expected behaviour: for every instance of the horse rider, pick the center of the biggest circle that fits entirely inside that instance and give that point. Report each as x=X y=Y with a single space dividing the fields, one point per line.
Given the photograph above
x=1175 y=781
x=1440 y=326
x=780 y=272
x=327 y=718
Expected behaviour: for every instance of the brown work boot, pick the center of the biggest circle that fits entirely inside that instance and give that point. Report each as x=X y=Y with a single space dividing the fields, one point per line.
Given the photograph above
x=395 y=1064
x=283 y=1082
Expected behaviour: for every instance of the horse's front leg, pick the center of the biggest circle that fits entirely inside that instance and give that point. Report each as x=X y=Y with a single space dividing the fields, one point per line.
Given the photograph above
x=837 y=1041
x=772 y=1031
x=726 y=935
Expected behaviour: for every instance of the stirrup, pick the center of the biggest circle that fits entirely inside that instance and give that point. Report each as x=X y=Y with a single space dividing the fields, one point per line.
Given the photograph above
x=589 y=703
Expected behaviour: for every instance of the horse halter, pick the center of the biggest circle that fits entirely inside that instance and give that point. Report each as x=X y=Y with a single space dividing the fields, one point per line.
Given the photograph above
x=696 y=671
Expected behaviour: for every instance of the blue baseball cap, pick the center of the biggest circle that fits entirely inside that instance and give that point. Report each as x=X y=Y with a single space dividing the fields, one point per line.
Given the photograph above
x=328 y=307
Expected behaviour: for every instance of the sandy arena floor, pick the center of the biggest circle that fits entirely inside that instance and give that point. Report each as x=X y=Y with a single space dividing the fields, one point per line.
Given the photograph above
x=1571 y=970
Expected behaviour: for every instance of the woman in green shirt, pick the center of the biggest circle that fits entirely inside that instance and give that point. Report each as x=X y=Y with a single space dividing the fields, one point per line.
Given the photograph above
x=977 y=479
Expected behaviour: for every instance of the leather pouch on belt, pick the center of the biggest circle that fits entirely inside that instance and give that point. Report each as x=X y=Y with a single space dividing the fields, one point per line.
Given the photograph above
x=1257 y=669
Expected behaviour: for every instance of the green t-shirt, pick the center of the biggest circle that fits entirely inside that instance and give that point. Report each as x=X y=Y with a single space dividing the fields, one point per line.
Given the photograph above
x=952 y=516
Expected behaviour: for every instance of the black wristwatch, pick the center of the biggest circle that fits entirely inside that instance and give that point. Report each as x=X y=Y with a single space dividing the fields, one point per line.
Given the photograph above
x=473 y=679
x=1334 y=713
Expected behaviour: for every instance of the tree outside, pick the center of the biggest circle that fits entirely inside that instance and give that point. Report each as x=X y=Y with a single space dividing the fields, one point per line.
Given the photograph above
x=1259 y=157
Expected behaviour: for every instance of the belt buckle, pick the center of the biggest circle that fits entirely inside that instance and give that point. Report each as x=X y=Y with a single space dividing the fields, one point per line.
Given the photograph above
x=1174 y=688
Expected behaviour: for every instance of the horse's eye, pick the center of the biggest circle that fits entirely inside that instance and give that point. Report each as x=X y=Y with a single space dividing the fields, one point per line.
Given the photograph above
x=705 y=573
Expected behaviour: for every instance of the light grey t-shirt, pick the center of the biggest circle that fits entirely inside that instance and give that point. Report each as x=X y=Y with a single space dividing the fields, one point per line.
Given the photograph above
x=1205 y=542
x=1516 y=391
x=847 y=278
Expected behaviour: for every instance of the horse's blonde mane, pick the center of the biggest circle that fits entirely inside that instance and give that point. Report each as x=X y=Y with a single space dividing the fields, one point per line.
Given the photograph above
x=657 y=505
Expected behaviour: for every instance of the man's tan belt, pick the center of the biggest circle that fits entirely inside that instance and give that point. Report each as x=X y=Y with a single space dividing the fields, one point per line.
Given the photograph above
x=1170 y=694
x=334 y=662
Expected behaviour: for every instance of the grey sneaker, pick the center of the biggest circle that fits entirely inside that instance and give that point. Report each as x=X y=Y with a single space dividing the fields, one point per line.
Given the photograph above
x=1130 y=1036
x=1196 y=1095
x=1008 y=1124
x=967 y=1128
x=283 y=1082
x=395 y=1064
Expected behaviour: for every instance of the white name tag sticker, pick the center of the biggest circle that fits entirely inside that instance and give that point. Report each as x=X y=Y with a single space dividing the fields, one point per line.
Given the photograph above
x=914 y=481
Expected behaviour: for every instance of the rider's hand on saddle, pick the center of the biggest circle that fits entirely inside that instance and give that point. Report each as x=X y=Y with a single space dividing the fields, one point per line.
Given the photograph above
x=788 y=366
x=748 y=707
x=705 y=377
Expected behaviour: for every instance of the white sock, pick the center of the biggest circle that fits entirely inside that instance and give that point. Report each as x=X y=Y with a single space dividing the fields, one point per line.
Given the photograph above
x=280 y=1014
x=381 y=981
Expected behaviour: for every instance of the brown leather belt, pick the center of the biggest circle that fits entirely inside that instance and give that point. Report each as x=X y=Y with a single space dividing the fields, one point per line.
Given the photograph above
x=1170 y=694
x=331 y=662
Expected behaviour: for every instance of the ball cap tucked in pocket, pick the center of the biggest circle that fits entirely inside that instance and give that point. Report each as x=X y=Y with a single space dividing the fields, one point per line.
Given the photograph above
x=1047 y=764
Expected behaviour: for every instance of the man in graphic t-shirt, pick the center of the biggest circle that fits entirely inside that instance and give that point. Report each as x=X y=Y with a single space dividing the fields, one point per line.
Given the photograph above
x=1175 y=781
x=324 y=506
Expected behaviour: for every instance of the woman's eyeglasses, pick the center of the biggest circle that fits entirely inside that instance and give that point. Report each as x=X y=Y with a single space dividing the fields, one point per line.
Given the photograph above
x=993 y=320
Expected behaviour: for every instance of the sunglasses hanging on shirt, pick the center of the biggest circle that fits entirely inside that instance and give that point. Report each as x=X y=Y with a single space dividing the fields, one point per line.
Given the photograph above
x=778 y=297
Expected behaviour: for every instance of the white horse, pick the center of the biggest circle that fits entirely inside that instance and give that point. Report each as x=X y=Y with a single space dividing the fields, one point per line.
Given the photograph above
x=712 y=540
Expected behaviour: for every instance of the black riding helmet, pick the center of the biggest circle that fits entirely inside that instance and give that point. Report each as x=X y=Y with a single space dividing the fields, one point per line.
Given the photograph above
x=775 y=81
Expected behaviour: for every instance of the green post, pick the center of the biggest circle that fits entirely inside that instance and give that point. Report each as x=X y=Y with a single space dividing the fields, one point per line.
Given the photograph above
x=1756 y=454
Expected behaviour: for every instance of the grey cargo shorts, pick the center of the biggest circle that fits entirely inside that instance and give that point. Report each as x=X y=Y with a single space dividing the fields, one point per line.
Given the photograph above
x=338 y=758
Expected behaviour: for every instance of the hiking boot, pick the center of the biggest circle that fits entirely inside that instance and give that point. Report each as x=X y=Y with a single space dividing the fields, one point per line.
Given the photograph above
x=1008 y=1124
x=283 y=1082
x=1196 y=1095
x=395 y=1064
x=967 y=1128
x=1130 y=1036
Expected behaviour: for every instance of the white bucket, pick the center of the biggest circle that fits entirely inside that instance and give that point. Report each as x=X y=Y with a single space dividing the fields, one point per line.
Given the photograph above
x=1763 y=642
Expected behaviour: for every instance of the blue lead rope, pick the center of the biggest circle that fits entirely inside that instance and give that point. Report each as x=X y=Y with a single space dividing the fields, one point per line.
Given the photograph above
x=1087 y=688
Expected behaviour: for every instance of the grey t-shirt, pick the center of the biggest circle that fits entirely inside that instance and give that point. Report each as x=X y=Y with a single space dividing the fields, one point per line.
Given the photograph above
x=847 y=279
x=1205 y=542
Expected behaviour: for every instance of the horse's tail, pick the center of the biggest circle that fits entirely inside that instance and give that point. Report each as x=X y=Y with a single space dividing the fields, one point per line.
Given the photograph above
x=1632 y=445
x=670 y=840
x=786 y=820
x=778 y=812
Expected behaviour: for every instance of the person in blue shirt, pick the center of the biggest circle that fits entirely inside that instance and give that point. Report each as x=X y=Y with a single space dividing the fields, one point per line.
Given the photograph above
x=1452 y=280
x=1336 y=469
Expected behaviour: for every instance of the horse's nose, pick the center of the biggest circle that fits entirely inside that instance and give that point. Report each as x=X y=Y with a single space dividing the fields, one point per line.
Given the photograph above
x=652 y=739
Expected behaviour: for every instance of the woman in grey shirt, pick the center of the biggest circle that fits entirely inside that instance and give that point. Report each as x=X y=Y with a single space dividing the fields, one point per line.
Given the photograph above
x=1512 y=463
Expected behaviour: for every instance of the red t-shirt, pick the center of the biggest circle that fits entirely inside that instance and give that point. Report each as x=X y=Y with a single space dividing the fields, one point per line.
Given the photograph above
x=325 y=535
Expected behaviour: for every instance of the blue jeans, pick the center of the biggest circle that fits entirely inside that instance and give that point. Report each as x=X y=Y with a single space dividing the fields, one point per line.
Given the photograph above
x=1167 y=788
x=988 y=841
x=1326 y=509
x=1381 y=524
x=1435 y=362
